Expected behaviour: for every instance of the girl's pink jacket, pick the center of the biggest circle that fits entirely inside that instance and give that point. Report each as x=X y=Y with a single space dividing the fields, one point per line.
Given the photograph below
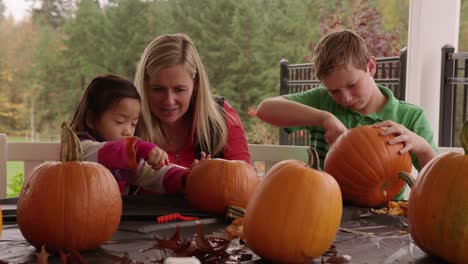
x=126 y=160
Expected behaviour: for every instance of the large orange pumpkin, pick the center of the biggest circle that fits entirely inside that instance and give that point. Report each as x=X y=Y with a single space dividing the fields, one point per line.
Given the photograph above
x=438 y=206
x=214 y=184
x=69 y=204
x=366 y=166
x=294 y=214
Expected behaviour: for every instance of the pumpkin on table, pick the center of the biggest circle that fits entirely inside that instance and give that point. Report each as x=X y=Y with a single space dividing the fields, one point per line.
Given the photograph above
x=69 y=205
x=294 y=214
x=438 y=205
x=366 y=167
x=214 y=184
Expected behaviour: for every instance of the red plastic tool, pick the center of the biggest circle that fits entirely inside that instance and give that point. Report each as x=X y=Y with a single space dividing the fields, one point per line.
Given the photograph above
x=172 y=217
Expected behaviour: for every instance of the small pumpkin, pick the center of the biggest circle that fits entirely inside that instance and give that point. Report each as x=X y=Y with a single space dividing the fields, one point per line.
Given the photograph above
x=69 y=205
x=294 y=214
x=214 y=184
x=366 y=167
x=438 y=205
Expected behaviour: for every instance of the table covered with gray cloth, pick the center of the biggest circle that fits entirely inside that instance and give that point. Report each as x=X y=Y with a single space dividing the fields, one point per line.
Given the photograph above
x=364 y=236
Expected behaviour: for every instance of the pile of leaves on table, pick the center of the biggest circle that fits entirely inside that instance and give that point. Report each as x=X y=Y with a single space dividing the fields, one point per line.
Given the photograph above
x=207 y=249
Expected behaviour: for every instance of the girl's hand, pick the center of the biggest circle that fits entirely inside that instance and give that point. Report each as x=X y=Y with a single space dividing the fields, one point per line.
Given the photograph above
x=333 y=128
x=157 y=158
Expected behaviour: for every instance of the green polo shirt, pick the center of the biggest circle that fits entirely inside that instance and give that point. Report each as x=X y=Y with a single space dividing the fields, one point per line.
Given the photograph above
x=409 y=115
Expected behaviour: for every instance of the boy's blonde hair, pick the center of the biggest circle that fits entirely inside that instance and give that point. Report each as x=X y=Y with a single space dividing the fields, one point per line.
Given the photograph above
x=208 y=122
x=337 y=50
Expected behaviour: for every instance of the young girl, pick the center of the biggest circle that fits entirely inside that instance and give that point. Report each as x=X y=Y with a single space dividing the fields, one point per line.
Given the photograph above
x=105 y=122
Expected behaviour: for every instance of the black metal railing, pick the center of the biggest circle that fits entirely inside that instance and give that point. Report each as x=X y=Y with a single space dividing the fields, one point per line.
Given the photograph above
x=391 y=72
x=453 y=95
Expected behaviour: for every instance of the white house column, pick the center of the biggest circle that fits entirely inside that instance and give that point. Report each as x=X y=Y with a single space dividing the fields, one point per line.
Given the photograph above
x=432 y=24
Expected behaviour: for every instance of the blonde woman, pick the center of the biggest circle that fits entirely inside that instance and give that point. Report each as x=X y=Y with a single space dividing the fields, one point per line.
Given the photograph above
x=180 y=114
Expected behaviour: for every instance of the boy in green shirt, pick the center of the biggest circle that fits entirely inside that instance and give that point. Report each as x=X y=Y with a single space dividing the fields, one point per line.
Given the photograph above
x=350 y=97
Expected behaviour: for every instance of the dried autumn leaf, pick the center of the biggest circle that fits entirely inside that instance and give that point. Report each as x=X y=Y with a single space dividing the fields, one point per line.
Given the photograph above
x=42 y=256
x=175 y=243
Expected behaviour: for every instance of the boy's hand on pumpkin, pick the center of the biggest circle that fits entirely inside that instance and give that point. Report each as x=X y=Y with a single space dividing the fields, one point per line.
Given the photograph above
x=333 y=128
x=412 y=142
x=157 y=158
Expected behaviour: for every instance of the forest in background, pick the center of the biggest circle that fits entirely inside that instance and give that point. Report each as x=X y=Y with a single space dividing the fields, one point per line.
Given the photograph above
x=47 y=60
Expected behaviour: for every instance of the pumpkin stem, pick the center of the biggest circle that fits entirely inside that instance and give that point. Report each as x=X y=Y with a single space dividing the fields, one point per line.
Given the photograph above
x=234 y=212
x=70 y=149
x=314 y=161
x=464 y=136
x=408 y=178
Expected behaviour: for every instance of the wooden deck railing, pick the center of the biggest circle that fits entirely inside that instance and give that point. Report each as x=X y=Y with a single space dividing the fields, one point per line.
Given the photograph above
x=453 y=95
x=33 y=154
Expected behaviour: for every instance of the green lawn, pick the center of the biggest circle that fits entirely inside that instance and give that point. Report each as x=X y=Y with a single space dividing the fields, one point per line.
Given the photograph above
x=13 y=169
x=14 y=184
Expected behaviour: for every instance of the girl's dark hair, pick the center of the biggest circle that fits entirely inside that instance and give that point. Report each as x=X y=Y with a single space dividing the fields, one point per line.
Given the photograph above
x=103 y=92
